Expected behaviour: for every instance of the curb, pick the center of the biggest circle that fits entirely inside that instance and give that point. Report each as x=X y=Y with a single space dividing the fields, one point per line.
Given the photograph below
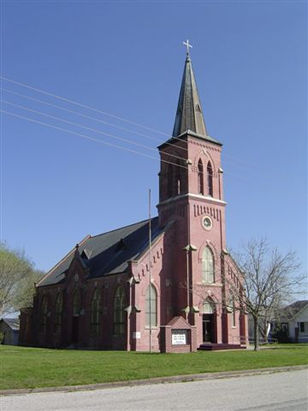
x=157 y=380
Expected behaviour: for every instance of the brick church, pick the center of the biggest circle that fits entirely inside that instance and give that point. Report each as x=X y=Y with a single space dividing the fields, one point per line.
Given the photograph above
x=159 y=285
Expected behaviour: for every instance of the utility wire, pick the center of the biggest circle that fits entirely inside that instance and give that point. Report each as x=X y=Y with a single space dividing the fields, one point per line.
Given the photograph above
x=107 y=123
x=79 y=114
x=89 y=138
x=83 y=105
x=90 y=108
x=88 y=128
x=87 y=107
x=101 y=112
x=104 y=142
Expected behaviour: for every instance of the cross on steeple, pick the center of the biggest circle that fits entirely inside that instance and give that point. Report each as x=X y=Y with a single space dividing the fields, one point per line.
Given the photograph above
x=189 y=116
x=186 y=43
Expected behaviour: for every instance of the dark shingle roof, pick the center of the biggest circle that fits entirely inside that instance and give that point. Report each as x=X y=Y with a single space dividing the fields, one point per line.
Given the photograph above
x=107 y=253
x=13 y=323
x=291 y=310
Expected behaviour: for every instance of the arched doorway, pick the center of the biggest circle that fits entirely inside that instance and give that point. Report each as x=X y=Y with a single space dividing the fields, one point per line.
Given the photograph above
x=209 y=322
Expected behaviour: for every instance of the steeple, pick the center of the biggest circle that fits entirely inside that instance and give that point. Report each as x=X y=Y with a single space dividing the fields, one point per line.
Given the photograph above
x=189 y=114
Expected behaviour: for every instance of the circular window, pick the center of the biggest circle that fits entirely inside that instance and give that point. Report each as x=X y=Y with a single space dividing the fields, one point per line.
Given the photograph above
x=207 y=223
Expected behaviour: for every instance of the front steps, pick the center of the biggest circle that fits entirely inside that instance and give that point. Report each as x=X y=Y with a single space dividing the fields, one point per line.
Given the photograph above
x=217 y=347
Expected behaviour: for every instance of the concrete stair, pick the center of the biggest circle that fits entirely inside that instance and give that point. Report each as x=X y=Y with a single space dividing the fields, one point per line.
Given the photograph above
x=216 y=347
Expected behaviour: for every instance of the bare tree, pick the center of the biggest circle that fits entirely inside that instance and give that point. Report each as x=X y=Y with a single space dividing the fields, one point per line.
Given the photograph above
x=17 y=278
x=270 y=279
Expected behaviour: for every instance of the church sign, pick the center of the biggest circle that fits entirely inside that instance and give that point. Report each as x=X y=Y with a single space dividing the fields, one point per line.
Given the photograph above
x=179 y=337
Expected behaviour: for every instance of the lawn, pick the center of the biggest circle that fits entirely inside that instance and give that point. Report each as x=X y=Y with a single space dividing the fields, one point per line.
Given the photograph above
x=23 y=367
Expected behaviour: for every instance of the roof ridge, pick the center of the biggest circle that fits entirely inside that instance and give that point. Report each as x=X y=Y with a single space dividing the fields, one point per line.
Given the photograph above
x=296 y=302
x=62 y=259
x=121 y=228
x=102 y=247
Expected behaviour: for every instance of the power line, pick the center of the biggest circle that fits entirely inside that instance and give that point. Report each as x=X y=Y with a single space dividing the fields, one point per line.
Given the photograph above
x=102 y=112
x=79 y=114
x=104 y=142
x=90 y=138
x=90 y=118
x=104 y=122
x=88 y=107
x=88 y=128
x=83 y=105
x=75 y=124
x=99 y=111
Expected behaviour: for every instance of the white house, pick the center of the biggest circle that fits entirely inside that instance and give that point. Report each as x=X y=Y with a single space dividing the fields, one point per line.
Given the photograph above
x=294 y=320
x=9 y=330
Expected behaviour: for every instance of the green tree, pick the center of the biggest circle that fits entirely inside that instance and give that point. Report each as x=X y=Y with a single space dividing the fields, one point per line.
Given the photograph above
x=17 y=278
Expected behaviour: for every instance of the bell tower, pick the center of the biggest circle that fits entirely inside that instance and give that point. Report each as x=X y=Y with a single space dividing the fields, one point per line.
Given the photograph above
x=191 y=199
x=190 y=160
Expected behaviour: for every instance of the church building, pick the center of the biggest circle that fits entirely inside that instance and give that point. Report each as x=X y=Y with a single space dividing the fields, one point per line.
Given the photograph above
x=164 y=284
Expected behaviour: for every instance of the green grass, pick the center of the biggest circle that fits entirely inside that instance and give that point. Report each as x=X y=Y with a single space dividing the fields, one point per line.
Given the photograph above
x=22 y=367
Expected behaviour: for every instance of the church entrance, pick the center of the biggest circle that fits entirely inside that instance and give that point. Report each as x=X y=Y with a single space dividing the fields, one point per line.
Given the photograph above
x=207 y=327
x=209 y=322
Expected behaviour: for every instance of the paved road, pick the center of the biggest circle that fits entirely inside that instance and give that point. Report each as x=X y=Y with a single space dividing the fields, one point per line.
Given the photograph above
x=280 y=391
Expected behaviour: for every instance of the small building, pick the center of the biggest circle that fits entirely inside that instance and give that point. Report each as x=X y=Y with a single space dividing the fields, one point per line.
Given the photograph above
x=293 y=322
x=9 y=331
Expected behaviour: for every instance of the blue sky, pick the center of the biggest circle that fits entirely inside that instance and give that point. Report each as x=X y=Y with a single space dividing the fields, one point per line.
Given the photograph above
x=127 y=58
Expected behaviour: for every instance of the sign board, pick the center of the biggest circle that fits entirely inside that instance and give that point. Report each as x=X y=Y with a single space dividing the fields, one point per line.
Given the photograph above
x=179 y=337
x=137 y=335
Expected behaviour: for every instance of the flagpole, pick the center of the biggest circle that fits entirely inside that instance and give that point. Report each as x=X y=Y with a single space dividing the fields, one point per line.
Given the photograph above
x=150 y=275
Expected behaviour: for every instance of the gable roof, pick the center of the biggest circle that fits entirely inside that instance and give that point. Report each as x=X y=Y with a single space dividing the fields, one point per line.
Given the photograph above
x=13 y=323
x=107 y=253
x=179 y=322
x=290 y=311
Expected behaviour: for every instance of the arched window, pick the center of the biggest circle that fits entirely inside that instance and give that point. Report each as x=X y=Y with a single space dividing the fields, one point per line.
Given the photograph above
x=76 y=303
x=178 y=178
x=151 y=307
x=178 y=188
x=95 y=312
x=44 y=314
x=207 y=266
x=208 y=307
x=58 y=312
x=119 y=304
x=200 y=177
x=233 y=312
x=210 y=179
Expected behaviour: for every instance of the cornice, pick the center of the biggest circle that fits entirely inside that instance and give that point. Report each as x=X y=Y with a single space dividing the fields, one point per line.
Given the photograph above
x=193 y=196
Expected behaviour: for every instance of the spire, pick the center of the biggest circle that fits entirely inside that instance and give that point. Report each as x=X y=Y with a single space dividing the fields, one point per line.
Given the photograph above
x=189 y=114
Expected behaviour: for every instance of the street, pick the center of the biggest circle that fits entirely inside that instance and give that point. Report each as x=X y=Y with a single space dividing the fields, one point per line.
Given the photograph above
x=277 y=391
